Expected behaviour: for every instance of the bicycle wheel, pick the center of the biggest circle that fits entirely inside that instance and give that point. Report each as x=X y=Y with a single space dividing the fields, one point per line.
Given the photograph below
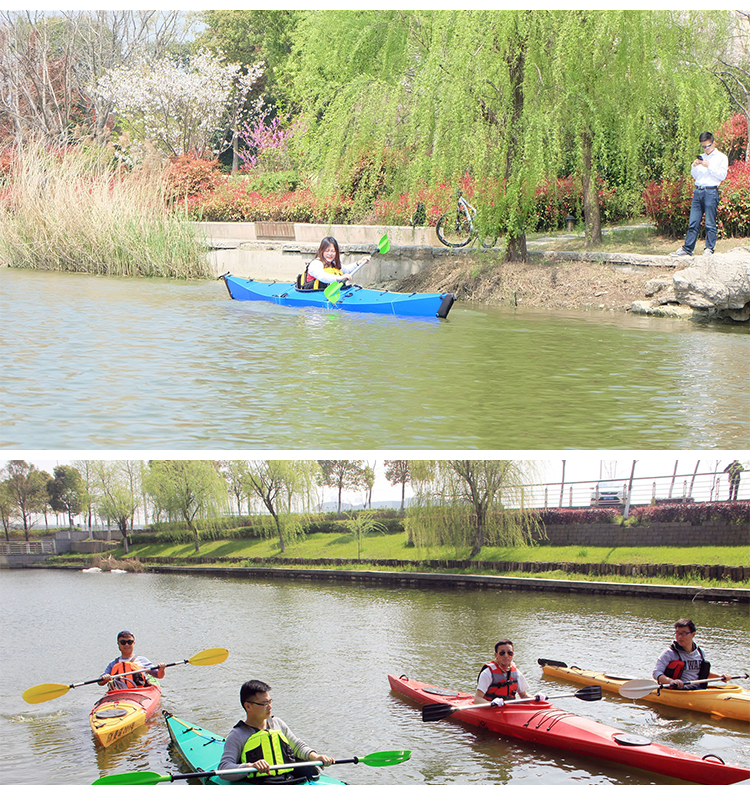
x=454 y=229
x=489 y=241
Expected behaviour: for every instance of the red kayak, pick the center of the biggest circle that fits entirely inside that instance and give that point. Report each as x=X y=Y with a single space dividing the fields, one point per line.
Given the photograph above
x=542 y=723
x=120 y=712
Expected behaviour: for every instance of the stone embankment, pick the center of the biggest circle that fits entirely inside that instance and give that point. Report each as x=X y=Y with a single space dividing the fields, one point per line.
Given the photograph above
x=715 y=287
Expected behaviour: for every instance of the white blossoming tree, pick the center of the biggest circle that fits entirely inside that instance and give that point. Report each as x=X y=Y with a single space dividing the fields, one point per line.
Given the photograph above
x=181 y=106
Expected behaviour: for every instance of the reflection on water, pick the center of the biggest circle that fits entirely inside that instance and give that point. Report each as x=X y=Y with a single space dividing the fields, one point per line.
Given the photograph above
x=117 y=363
x=326 y=650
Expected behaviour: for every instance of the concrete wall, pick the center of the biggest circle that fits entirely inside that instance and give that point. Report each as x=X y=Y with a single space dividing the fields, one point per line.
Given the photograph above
x=236 y=248
x=611 y=535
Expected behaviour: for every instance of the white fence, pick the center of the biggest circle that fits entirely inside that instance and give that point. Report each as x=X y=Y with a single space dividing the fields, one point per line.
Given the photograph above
x=32 y=547
x=672 y=488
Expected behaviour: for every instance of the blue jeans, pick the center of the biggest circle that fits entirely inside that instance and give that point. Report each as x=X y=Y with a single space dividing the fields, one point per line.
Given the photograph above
x=704 y=201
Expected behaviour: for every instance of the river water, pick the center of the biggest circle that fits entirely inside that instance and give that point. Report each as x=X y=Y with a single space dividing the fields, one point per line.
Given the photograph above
x=327 y=650
x=92 y=363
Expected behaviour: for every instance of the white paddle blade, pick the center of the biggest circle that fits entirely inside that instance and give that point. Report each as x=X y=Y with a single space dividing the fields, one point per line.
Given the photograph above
x=638 y=688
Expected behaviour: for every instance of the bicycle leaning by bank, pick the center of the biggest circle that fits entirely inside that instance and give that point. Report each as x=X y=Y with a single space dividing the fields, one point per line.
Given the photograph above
x=456 y=227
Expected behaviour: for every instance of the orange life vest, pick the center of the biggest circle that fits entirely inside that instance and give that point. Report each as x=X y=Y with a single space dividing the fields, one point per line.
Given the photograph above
x=504 y=683
x=124 y=667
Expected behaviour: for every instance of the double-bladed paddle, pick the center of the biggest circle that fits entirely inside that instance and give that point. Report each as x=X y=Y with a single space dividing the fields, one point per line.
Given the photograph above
x=438 y=711
x=639 y=688
x=333 y=290
x=47 y=692
x=388 y=758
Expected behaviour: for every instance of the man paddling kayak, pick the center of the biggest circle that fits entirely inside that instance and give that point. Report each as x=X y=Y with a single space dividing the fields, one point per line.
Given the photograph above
x=500 y=680
x=261 y=740
x=684 y=661
x=116 y=673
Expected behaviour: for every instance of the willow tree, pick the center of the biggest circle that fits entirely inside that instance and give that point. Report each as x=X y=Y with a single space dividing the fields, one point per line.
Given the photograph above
x=118 y=493
x=434 y=95
x=188 y=491
x=612 y=73
x=278 y=485
x=468 y=503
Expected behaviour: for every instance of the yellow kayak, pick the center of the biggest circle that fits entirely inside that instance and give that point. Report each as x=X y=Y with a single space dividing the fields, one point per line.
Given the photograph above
x=724 y=701
x=120 y=712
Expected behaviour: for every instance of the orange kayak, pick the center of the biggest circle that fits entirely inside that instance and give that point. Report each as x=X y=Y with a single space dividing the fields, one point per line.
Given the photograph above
x=120 y=712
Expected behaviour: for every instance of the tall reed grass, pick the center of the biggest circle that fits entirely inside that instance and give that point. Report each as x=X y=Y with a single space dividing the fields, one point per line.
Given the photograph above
x=70 y=210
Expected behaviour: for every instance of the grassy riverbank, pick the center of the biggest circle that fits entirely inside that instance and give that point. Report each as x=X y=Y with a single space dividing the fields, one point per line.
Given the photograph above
x=393 y=547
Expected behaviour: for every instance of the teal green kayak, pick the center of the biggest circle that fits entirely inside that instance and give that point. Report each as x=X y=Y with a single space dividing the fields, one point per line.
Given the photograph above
x=352 y=298
x=202 y=751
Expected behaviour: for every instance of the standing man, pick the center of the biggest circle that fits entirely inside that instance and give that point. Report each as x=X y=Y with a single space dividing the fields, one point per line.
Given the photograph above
x=734 y=470
x=708 y=170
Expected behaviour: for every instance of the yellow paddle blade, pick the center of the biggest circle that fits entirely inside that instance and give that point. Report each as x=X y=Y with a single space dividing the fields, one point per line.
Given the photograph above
x=209 y=657
x=45 y=692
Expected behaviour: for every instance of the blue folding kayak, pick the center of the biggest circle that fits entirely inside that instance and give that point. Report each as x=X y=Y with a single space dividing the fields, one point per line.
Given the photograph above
x=352 y=298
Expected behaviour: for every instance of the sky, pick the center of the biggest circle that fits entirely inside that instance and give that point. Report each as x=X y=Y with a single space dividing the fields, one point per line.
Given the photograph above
x=580 y=465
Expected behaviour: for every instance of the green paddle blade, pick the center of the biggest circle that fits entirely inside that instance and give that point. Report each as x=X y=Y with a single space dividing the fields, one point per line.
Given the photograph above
x=387 y=758
x=209 y=657
x=45 y=692
x=384 y=245
x=333 y=292
x=134 y=778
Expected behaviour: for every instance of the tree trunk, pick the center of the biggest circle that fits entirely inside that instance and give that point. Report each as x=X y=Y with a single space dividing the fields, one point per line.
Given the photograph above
x=280 y=531
x=403 y=494
x=479 y=534
x=591 y=215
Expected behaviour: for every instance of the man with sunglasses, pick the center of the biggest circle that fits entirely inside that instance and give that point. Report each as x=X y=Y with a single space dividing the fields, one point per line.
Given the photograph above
x=119 y=674
x=708 y=170
x=500 y=681
x=261 y=740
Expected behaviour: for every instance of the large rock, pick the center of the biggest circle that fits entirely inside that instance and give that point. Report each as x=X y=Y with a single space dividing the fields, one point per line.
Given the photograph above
x=717 y=285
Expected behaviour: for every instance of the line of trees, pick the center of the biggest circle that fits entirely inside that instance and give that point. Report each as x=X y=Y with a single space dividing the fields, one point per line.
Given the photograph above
x=472 y=503
x=389 y=101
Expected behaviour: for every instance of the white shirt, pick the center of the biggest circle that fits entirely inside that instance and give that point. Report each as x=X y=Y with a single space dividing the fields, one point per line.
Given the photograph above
x=716 y=171
x=484 y=682
x=316 y=270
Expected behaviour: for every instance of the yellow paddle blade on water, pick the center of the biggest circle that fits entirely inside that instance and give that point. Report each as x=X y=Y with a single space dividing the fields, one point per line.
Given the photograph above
x=209 y=657
x=45 y=692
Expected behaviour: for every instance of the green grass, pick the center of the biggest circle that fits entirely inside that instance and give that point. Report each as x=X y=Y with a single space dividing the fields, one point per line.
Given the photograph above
x=393 y=546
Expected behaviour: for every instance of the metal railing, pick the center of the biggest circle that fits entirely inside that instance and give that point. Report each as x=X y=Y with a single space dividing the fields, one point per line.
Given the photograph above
x=665 y=489
x=34 y=546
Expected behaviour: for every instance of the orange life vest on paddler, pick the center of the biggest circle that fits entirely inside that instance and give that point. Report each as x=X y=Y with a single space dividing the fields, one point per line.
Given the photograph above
x=504 y=683
x=124 y=667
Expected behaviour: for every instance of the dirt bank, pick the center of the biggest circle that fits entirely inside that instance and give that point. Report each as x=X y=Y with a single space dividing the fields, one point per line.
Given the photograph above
x=543 y=284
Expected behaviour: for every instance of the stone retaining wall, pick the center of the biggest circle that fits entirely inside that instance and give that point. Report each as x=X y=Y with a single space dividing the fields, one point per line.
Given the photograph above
x=612 y=535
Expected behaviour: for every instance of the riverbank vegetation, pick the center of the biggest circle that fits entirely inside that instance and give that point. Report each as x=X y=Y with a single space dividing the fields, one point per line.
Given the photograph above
x=70 y=210
x=562 y=115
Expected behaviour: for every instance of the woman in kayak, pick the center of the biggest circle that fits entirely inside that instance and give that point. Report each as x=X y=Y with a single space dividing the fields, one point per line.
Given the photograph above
x=326 y=267
x=684 y=661
x=261 y=740
x=500 y=680
x=115 y=674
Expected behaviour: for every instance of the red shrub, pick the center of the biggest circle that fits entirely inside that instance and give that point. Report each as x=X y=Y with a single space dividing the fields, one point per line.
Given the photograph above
x=668 y=204
x=731 y=138
x=189 y=176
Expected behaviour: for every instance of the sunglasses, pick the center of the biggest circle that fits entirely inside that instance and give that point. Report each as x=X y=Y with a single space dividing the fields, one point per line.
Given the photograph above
x=706 y=146
x=502 y=652
x=126 y=643
x=265 y=703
